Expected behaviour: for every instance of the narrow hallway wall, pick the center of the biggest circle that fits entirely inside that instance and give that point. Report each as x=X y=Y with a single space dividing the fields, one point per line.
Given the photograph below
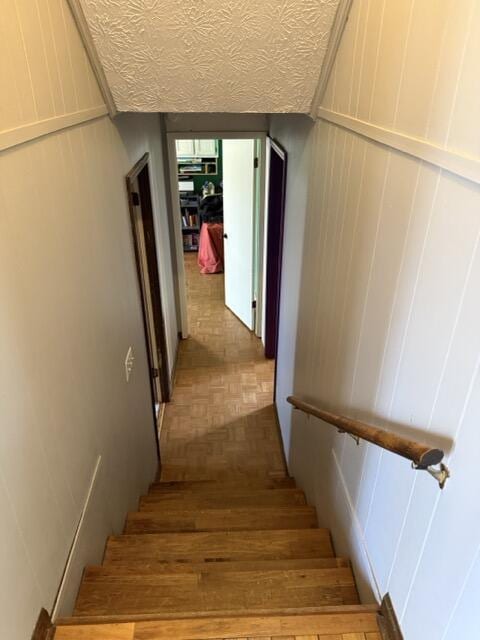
x=73 y=433
x=295 y=134
x=388 y=316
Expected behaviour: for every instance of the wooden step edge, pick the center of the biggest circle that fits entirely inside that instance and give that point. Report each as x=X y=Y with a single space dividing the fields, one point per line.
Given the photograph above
x=208 y=617
x=202 y=485
x=207 y=519
x=323 y=531
x=328 y=576
x=318 y=625
x=157 y=567
x=224 y=493
x=268 y=510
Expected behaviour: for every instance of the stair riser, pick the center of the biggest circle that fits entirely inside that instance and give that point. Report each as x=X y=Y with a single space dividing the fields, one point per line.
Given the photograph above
x=205 y=486
x=141 y=568
x=221 y=520
x=220 y=546
x=193 y=501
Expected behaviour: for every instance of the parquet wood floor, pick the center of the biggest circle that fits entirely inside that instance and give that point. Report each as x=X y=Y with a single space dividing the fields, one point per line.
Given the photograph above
x=221 y=422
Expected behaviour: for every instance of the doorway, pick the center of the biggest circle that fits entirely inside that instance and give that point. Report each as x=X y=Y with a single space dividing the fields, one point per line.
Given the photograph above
x=143 y=230
x=218 y=198
x=277 y=180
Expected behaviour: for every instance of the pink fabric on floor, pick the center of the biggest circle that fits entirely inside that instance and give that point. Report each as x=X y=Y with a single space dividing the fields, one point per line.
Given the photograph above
x=210 y=250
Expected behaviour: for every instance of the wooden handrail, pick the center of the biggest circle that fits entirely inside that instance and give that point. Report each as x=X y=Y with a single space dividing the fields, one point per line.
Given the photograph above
x=420 y=454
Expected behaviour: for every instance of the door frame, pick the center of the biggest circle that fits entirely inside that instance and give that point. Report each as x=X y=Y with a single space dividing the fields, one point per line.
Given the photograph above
x=172 y=136
x=274 y=254
x=141 y=170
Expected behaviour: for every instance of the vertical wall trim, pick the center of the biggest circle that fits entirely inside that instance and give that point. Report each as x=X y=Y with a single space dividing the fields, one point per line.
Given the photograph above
x=336 y=33
x=85 y=35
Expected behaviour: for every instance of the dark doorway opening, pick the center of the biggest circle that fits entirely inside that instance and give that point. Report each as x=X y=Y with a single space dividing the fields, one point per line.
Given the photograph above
x=141 y=214
x=275 y=224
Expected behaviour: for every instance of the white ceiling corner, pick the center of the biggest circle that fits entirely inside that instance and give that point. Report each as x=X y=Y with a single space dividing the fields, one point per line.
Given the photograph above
x=234 y=56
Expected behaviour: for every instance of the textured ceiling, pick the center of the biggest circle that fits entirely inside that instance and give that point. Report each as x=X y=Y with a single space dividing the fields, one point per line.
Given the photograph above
x=261 y=56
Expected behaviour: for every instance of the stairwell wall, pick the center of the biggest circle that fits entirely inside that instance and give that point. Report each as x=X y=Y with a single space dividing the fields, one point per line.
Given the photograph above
x=75 y=438
x=386 y=328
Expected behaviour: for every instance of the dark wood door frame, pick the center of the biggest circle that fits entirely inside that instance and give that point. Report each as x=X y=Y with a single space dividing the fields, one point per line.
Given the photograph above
x=275 y=225
x=143 y=197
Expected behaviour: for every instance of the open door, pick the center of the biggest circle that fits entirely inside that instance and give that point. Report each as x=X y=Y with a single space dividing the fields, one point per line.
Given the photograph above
x=141 y=212
x=275 y=217
x=238 y=208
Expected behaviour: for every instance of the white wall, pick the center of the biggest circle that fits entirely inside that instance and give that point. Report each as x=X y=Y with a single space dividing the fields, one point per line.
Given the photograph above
x=70 y=310
x=213 y=122
x=389 y=313
x=294 y=134
x=140 y=134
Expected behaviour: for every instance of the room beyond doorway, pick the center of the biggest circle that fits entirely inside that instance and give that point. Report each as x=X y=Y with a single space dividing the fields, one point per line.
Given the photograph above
x=218 y=202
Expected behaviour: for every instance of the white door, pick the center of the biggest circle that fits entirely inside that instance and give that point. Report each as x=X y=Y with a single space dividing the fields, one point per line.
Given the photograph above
x=238 y=201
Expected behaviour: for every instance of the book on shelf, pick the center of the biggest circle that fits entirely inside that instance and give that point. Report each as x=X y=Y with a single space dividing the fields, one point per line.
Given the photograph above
x=191 y=168
x=184 y=221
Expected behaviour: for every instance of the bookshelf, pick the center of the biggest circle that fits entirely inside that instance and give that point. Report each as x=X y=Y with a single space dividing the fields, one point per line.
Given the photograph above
x=198 y=161
x=189 y=204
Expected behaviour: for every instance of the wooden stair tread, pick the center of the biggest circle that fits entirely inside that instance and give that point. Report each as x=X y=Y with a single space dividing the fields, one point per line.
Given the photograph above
x=217 y=546
x=192 y=594
x=331 y=624
x=213 y=485
x=241 y=518
x=138 y=568
x=227 y=499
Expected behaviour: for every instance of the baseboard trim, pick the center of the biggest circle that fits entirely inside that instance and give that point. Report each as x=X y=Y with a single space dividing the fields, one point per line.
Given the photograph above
x=387 y=620
x=280 y=438
x=357 y=529
x=44 y=628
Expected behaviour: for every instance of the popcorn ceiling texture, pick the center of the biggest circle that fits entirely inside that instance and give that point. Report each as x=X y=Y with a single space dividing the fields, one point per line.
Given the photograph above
x=261 y=56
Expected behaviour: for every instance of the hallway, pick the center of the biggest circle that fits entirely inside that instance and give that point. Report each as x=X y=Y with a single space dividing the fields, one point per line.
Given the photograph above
x=223 y=545
x=221 y=422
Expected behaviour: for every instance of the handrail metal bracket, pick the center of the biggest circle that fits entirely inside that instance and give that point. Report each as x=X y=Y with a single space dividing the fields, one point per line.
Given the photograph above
x=353 y=437
x=441 y=474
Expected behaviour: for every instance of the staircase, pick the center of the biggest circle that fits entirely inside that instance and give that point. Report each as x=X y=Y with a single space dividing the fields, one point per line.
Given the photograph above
x=236 y=559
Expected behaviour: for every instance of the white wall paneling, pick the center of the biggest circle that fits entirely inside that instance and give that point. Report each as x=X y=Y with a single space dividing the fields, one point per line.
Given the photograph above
x=334 y=40
x=387 y=332
x=458 y=163
x=92 y=54
x=26 y=132
x=44 y=69
x=387 y=325
x=70 y=310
